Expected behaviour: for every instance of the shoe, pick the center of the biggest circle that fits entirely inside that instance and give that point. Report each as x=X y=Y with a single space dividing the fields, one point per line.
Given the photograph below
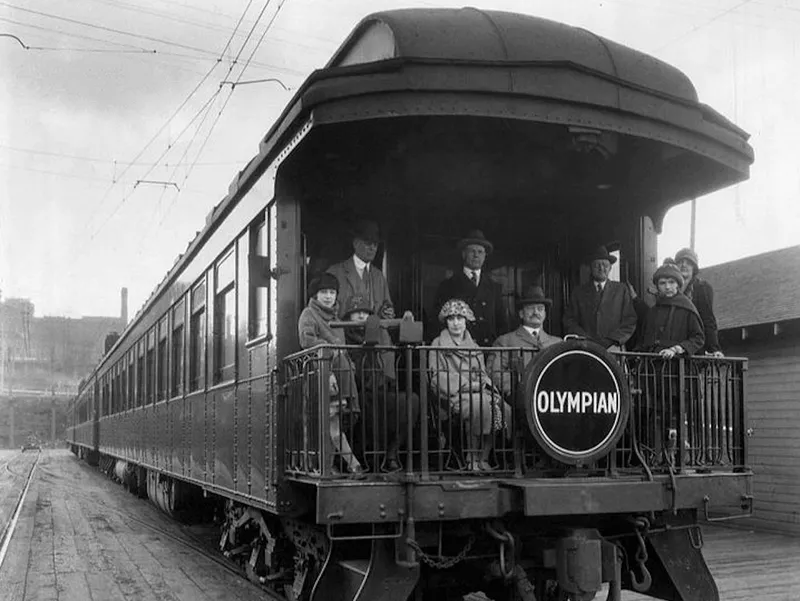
x=357 y=473
x=393 y=465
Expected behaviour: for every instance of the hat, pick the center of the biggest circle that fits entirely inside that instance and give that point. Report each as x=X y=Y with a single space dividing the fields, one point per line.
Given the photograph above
x=600 y=253
x=327 y=281
x=456 y=306
x=689 y=255
x=366 y=230
x=357 y=303
x=668 y=270
x=533 y=295
x=475 y=237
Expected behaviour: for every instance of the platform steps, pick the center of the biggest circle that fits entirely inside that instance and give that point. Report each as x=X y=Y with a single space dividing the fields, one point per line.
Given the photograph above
x=365 y=571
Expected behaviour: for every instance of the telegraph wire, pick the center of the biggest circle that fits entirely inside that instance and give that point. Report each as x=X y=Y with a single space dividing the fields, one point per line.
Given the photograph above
x=230 y=94
x=145 y=37
x=694 y=29
x=106 y=161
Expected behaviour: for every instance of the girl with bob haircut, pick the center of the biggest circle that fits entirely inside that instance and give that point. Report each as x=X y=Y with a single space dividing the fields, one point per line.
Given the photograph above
x=458 y=374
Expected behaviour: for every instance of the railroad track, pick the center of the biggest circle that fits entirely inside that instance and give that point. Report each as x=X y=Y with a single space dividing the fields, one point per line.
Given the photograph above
x=8 y=529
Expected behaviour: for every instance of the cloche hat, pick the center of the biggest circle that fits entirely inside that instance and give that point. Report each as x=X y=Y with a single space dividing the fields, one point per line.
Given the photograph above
x=601 y=252
x=357 y=303
x=533 y=295
x=476 y=237
x=668 y=270
x=689 y=255
x=326 y=281
x=456 y=306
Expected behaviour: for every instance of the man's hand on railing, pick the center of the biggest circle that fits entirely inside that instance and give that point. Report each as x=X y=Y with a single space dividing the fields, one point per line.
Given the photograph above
x=673 y=351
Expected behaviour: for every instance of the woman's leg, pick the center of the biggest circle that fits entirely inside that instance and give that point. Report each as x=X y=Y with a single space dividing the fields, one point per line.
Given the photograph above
x=341 y=445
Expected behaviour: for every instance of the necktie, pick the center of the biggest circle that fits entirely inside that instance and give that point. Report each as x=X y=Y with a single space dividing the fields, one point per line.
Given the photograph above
x=474 y=278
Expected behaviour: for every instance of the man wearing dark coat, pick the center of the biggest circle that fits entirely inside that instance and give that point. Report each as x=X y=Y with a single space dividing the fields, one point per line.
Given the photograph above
x=601 y=310
x=476 y=287
x=529 y=338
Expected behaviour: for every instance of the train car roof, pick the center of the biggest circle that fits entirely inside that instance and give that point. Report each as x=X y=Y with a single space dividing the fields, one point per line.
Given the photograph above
x=492 y=54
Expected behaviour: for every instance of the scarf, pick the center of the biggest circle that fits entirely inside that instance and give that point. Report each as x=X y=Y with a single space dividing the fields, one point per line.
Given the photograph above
x=680 y=300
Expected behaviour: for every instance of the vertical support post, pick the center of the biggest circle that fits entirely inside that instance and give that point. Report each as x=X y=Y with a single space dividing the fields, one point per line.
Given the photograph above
x=423 y=413
x=682 y=384
x=409 y=413
x=11 y=442
x=53 y=419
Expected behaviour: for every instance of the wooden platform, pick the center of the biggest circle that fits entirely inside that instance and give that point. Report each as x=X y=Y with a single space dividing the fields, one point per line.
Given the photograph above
x=749 y=565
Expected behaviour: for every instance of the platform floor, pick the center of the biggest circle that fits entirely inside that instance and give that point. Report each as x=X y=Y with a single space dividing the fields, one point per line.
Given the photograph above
x=82 y=537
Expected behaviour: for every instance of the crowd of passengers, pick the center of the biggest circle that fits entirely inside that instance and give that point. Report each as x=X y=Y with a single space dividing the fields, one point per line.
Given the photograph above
x=471 y=316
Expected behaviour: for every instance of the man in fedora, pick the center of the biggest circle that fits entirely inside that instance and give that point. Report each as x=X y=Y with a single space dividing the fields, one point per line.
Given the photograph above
x=357 y=276
x=529 y=336
x=476 y=287
x=601 y=310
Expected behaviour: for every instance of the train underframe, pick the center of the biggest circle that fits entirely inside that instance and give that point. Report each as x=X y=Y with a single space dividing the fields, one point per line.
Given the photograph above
x=507 y=557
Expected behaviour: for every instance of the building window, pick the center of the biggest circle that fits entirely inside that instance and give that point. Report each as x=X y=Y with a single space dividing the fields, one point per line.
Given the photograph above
x=161 y=357
x=225 y=319
x=177 y=349
x=197 y=336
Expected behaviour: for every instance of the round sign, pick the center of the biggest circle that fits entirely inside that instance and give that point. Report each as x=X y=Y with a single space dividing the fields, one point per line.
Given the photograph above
x=576 y=401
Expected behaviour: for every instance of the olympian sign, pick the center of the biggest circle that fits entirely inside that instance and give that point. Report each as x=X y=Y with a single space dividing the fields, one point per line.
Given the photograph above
x=577 y=404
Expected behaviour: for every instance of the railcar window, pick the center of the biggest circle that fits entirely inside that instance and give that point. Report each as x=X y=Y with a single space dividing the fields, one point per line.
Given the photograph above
x=225 y=319
x=150 y=364
x=259 y=279
x=130 y=392
x=197 y=336
x=116 y=389
x=177 y=348
x=162 y=369
x=123 y=384
x=140 y=373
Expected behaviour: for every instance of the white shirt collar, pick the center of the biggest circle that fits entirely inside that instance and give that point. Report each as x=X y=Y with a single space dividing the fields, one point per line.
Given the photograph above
x=531 y=331
x=602 y=284
x=468 y=272
x=360 y=265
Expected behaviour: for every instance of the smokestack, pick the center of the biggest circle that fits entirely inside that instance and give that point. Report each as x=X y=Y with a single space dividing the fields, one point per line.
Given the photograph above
x=124 y=308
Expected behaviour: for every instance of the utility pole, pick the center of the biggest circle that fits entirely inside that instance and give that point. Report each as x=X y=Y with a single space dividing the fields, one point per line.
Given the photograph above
x=693 y=224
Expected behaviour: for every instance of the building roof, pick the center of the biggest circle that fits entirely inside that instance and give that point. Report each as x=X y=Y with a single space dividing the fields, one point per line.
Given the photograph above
x=756 y=290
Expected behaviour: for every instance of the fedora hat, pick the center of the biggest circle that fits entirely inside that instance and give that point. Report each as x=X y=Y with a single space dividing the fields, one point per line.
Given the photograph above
x=367 y=230
x=533 y=295
x=475 y=237
x=601 y=252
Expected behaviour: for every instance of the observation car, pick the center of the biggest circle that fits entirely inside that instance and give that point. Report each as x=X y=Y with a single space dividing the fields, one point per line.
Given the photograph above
x=550 y=139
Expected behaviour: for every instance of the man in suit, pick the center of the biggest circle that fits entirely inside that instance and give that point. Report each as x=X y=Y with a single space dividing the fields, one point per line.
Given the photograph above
x=357 y=276
x=530 y=337
x=475 y=286
x=601 y=310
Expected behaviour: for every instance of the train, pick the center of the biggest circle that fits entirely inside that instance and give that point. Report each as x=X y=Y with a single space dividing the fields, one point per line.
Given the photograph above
x=432 y=122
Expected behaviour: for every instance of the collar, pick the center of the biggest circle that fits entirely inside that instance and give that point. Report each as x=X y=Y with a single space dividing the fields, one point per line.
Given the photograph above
x=532 y=331
x=468 y=272
x=360 y=265
x=602 y=284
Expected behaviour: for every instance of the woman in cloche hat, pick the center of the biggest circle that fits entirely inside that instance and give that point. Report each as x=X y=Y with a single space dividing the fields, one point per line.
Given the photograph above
x=701 y=294
x=458 y=375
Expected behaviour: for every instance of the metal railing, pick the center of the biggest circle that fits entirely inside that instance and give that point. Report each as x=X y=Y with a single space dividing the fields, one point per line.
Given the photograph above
x=431 y=411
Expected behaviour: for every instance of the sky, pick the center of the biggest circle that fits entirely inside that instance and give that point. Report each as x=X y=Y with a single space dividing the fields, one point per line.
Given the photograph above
x=112 y=97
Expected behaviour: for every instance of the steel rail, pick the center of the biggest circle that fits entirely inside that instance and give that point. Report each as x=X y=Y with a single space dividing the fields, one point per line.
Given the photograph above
x=8 y=531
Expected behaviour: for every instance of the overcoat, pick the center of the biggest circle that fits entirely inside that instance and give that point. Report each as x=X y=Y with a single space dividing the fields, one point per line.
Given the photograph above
x=374 y=288
x=459 y=376
x=499 y=362
x=485 y=300
x=313 y=329
x=701 y=294
x=673 y=321
x=609 y=322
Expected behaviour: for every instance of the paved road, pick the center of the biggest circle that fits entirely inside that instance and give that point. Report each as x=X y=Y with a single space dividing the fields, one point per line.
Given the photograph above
x=81 y=537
